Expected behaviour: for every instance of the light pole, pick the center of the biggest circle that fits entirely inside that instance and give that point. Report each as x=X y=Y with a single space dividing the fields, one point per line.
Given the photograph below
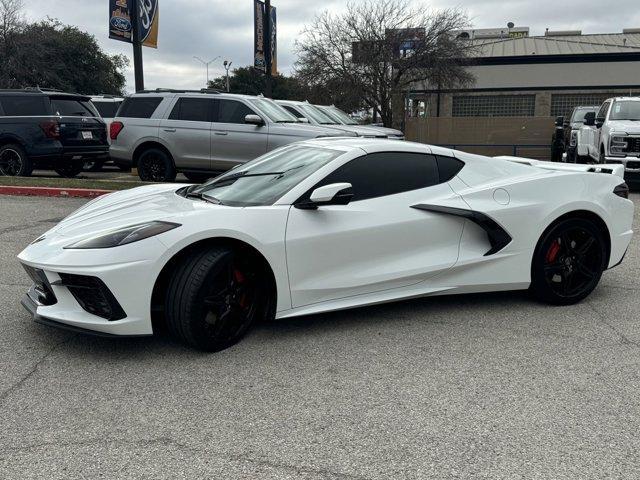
x=227 y=65
x=206 y=64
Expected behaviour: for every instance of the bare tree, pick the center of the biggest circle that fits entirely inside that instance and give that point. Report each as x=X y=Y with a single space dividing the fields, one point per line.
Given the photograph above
x=380 y=47
x=11 y=17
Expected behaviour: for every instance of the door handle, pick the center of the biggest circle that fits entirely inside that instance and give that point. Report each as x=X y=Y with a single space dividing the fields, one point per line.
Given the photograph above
x=221 y=133
x=170 y=130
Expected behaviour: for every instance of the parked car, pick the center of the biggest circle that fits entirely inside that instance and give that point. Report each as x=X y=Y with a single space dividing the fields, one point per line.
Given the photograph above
x=344 y=118
x=49 y=130
x=568 y=128
x=315 y=116
x=107 y=106
x=324 y=225
x=612 y=135
x=201 y=133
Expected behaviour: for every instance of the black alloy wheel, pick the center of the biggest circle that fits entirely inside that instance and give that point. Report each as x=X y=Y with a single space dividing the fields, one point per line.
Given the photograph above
x=213 y=299
x=155 y=165
x=569 y=262
x=14 y=162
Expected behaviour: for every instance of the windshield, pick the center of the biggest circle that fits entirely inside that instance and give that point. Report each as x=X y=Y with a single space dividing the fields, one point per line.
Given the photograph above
x=579 y=113
x=339 y=115
x=625 y=110
x=272 y=110
x=314 y=113
x=264 y=180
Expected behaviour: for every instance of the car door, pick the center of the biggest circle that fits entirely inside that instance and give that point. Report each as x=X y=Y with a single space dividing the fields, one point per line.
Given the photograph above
x=187 y=132
x=378 y=241
x=233 y=141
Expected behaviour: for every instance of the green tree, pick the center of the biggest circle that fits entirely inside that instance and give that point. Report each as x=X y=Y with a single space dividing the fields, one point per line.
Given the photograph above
x=49 y=54
x=249 y=81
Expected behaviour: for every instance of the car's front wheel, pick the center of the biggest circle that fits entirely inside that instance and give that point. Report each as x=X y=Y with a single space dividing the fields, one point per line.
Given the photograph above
x=568 y=262
x=155 y=165
x=213 y=299
x=14 y=162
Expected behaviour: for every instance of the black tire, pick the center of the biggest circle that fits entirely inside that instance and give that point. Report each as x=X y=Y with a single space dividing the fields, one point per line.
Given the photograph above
x=568 y=262
x=198 y=177
x=93 y=165
x=213 y=299
x=154 y=165
x=602 y=158
x=14 y=161
x=583 y=159
x=70 y=169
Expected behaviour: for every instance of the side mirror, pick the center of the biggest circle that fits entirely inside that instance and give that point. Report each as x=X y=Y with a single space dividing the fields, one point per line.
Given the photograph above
x=334 y=194
x=590 y=119
x=559 y=121
x=254 y=120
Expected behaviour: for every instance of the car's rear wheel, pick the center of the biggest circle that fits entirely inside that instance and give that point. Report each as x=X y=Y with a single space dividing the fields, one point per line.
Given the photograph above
x=70 y=169
x=154 y=165
x=213 y=299
x=568 y=262
x=14 y=162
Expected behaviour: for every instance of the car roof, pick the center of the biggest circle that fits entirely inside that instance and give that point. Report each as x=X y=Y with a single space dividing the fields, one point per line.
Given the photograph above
x=204 y=92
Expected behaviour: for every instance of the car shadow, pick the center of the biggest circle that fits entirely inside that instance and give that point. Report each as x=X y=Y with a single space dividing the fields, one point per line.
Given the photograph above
x=442 y=310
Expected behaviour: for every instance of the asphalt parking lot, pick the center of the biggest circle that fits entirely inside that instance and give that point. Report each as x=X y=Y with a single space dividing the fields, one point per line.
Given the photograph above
x=480 y=386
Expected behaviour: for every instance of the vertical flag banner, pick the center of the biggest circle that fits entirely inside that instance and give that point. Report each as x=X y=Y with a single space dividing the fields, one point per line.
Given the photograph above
x=258 y=35
x=259 y=61
x=121 y=21
x=120 y=26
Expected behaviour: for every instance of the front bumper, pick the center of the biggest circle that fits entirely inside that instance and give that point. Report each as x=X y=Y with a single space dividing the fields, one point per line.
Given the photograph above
x=631 y=164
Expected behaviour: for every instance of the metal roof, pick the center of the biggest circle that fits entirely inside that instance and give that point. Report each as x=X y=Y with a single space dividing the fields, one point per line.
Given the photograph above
x=559 y=45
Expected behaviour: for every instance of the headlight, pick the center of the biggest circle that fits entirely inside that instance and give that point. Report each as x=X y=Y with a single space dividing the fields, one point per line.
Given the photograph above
x=124 y=236
x=618 y=143
x=574 y=138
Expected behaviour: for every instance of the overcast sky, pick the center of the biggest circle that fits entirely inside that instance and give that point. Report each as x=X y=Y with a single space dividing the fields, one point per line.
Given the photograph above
x=208 y=28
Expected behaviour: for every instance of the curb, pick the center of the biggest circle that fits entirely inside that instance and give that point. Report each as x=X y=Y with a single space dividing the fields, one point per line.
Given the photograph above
x=52 y=192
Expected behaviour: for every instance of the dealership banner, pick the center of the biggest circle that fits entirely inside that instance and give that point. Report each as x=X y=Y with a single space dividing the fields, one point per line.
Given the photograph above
x=121 y=21
x=259 y=61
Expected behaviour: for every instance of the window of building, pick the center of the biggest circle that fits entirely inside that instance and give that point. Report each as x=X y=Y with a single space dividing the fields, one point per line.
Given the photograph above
x=389 y=173
x=563 y=104
x=232 y=111
x=193 y=110
x=494 y=105
x=139 y=107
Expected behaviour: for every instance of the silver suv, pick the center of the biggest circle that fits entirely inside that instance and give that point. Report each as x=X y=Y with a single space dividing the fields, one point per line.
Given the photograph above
x=198 y=133
x=343 y=118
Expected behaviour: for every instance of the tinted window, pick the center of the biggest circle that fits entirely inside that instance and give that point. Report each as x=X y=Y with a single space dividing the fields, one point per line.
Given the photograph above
x=388 y=173
x=139 y=107
x=232 y=111
x=24 y=106
x=602 y=113
x=72 y=107
x=292 y=111
x=448 y=167
x=192 y=110
x=107 y=109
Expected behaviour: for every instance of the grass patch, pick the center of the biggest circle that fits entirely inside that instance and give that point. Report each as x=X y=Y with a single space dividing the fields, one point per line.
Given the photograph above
x=89 y=183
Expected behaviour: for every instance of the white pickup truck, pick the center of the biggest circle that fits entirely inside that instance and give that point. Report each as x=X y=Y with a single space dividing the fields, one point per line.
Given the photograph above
x=612 y=135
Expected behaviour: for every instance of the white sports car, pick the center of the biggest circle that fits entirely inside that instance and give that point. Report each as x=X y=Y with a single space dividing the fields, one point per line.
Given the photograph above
x=326 y=225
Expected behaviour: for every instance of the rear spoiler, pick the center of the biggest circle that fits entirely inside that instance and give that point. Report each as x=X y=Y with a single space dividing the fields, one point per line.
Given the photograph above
x=616 y=169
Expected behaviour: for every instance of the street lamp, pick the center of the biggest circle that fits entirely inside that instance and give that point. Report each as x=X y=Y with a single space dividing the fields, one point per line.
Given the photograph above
x=227 y=65
x=206 y=64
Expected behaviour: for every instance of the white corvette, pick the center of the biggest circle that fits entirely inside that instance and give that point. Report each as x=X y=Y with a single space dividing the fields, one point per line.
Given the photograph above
x=326 y=225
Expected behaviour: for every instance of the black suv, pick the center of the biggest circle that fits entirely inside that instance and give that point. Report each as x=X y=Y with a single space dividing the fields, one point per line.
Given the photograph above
x=49 y=129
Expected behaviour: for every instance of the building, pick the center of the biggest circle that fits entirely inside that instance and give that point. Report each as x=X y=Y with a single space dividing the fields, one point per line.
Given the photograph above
x=521 y=84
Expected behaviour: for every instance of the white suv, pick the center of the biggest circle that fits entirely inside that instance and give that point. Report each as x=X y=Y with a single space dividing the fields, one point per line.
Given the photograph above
x=199 y=133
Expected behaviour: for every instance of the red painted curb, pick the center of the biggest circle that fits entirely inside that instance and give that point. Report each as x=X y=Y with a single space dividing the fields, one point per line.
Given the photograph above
x=52 y=192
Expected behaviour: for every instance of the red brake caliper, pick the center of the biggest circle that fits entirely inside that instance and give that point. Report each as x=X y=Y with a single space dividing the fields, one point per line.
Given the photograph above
x=239 y=277
x=553 y=252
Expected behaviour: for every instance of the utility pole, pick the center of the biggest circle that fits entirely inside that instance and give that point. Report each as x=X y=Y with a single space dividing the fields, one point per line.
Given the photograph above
x=227 y=65
x=268 y=91
x=137 y=47
x=206 y=64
